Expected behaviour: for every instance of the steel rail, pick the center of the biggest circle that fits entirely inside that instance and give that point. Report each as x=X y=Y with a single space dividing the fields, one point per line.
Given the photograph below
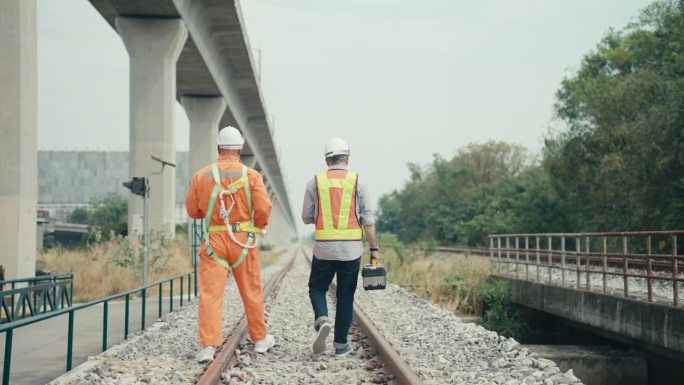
x=399 y=369
x=226 y=358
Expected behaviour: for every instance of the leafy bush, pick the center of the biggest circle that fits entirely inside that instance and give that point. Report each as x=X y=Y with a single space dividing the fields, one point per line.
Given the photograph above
x=79 y=215
x=500 y=315
x=105 y=216
x=110 y=214
x=128 y=253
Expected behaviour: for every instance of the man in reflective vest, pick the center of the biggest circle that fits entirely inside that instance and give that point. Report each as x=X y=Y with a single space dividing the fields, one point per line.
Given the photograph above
x=338 y=204
x=232 y=200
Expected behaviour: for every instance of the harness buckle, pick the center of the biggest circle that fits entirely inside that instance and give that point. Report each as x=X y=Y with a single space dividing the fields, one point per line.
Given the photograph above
x=235 y=227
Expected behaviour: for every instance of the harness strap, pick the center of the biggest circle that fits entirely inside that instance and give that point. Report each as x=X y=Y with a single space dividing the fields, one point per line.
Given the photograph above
x=249 y=227
x=238 y=227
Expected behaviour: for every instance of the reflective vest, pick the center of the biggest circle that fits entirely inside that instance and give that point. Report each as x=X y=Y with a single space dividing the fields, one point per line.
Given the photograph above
x=336 y=219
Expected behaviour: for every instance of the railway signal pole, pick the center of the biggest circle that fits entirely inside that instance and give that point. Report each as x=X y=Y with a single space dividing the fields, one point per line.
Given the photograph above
x=141 y=186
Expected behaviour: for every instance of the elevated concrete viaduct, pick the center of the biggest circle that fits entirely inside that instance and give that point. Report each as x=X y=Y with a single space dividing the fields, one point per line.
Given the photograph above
x=215 y=63
x=193 y=51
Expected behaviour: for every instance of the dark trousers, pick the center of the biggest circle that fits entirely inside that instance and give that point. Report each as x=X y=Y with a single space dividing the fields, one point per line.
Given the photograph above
x=322 y=273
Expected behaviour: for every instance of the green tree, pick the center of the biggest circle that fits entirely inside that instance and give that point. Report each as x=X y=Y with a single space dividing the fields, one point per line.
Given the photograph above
x=444 y=201
x=109 y=214
x=79 y=215
x=618 y=165
x=620 y=160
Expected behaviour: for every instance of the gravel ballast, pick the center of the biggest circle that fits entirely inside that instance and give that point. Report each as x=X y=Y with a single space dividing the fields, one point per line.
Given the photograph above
x=165 y=352
x=440 y=348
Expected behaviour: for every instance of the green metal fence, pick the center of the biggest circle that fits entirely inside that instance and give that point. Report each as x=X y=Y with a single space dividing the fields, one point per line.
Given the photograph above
x=186 y=280
x=40 y=294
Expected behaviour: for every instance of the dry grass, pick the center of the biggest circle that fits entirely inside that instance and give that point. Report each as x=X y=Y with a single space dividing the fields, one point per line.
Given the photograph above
x=451 y=283
x=110 y=267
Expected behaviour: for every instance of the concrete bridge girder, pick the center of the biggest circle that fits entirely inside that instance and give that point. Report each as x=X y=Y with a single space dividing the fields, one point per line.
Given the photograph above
x=209 y=35
x=216 y=63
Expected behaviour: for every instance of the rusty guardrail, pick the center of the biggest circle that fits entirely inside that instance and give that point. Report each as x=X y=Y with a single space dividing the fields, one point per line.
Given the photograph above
x=648 y=255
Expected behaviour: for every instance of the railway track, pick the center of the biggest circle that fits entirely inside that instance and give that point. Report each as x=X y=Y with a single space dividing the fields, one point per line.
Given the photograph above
x=226 y=357
x=435 y=347
x=381 y=360
x=386 y=362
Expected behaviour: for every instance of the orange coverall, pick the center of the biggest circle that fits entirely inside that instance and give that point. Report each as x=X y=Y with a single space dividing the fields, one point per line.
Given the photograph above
x=213 y=276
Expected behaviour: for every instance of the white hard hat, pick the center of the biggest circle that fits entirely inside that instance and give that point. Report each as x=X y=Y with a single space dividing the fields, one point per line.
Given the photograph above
x=336 y=146
x=230 y=138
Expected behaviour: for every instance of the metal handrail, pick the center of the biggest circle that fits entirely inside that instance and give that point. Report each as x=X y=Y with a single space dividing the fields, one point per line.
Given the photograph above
x=55 y=277
x=603 y=234
x=549 y=252
x=46 y=296
x=36 y=286
x=9 y=328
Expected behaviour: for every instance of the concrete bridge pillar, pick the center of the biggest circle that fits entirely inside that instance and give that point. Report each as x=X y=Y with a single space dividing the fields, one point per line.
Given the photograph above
x=280 y=232
x=204 y=114
x=18 y=137
x=153 y=46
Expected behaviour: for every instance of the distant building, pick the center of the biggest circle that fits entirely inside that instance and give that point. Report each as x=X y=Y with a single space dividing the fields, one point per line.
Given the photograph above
x=70 y=179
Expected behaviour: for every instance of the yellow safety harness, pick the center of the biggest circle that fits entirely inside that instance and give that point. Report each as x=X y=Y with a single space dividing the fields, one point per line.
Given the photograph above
x=219 y=192
x=329 y=232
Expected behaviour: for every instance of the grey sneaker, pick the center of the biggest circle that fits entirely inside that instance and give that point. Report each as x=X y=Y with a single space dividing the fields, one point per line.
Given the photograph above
x=264 y=344
x=343 y=351
x=206 y=354
x=323 y=331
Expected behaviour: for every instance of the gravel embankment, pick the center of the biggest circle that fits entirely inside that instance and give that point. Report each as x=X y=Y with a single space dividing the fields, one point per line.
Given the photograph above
x=638 y=287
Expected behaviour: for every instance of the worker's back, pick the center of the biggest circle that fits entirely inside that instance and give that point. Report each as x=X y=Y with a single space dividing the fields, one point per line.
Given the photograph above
x=230 y=170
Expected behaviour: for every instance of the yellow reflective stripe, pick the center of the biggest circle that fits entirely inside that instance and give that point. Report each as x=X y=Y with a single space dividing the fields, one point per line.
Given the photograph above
x=339 y=234
x=243 y=226
x=326 y=206
x=346 y=203
x=337 y=183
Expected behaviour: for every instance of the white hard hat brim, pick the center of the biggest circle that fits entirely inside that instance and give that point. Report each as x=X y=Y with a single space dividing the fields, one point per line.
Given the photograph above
x=336 y=152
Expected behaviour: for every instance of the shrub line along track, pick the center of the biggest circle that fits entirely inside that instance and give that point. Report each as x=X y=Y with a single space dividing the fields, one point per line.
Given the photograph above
x=399 y=371
x=226 y=358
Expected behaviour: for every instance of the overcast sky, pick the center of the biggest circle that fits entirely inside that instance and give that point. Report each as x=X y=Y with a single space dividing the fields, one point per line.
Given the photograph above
x=399 y=80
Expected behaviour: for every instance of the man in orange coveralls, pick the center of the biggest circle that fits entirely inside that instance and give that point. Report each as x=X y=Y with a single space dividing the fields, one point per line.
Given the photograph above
x=235 y=205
